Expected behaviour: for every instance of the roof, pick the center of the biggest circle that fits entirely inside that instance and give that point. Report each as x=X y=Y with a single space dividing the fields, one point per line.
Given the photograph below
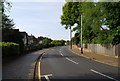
x=41 y=38
x=23 y=34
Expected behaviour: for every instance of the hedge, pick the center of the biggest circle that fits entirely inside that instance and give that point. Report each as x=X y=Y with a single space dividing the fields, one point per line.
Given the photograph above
x=32 y=47
x=9 y=49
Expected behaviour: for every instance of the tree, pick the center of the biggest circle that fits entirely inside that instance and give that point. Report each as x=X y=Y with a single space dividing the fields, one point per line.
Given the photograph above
x=112 y=15
x=95 y=16
x=66 y=18
x=58 y=42
x=6 y=21
x=8 y=33
x=46 y=42
x=77 y=38
x=70 y=13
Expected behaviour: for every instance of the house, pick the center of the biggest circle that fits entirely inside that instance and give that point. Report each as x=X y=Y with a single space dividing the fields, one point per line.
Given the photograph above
x=25 y=39
x=40 y=39
x=32 y=39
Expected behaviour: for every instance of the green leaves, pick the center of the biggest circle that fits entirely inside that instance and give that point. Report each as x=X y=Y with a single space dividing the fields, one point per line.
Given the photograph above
x=58 y=42
x=95 y=15
x=10 y=48
x=46 y=41
x=6 y=21
x=8 y=44
x=70 y=14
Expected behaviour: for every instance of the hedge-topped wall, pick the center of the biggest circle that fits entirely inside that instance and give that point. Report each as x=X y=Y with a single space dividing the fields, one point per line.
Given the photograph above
x=12 y=49
x=9 y=48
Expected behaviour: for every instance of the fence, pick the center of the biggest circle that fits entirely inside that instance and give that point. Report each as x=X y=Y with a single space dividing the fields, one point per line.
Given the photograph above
x=105 y=49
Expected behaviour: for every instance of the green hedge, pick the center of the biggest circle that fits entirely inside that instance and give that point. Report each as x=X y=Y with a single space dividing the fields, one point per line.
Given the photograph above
x=9 y=49
x=32 y=47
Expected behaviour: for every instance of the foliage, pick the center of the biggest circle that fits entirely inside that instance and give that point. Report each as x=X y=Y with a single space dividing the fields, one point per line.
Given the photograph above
x=58 y=42
x=9 y=49
x=13 y=35
x=8 y=44
x=95 y=15
x=46 y=42
x=76 y=38
x=32 y=47
x=112 y=15
x=69 y=12
x=6 y=21
x=67 y=42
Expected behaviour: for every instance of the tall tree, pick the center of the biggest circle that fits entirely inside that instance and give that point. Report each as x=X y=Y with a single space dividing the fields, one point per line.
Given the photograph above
x=70 y=15
x=6 y=21
x=96 y=16
x=112 y=20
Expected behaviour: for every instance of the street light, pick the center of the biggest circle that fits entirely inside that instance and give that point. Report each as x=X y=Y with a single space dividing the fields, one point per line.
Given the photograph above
x=81 y=37
x=70 y=37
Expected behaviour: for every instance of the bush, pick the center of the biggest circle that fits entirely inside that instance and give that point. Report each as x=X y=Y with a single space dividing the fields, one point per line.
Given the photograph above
x=32 y=47
x=9 y=49
x=58 y=42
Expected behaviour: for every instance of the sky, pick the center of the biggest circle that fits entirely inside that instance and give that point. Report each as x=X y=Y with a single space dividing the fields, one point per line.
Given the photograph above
x=39 y=18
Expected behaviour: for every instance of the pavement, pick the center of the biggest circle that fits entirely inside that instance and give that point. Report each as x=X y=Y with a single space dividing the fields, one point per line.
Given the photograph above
x=20 y=68
x=109 y=60
x=60 y=64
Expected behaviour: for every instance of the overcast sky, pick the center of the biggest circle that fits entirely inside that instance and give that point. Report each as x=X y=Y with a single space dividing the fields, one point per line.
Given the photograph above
x=39 y=18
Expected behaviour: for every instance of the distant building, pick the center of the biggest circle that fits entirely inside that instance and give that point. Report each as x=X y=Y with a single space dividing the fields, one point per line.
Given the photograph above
x=32 y=39
x=40 y=39
x=25 y=39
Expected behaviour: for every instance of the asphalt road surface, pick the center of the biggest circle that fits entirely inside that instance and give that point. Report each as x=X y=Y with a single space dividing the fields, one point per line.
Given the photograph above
x=58 y=63
x=20 y=67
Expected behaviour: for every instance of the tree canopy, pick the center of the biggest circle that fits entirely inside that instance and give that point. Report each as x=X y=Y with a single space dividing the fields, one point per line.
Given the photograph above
x=101 y=23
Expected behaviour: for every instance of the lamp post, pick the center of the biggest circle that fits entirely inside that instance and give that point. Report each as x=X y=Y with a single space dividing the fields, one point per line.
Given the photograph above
x=70 y=37
x=81 y=37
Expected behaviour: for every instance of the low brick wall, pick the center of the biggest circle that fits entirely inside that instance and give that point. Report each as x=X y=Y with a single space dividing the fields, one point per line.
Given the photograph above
x=105 y=49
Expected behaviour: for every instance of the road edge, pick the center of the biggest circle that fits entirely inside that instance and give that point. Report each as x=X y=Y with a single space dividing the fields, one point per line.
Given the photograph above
x=93 y=59
x=36 y=76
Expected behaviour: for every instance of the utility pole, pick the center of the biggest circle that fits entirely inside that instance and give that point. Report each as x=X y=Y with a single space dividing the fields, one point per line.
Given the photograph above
x=81 y=37
x=70 y=37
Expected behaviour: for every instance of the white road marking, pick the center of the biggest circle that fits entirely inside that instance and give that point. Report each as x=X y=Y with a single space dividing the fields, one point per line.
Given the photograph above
x=72 y=60
x=47 y=77
x=60 y=52
x=68 y=58
x=103 y=74
x=60 y=49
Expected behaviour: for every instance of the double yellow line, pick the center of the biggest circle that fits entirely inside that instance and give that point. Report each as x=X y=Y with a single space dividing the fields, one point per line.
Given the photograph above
x=37 y=76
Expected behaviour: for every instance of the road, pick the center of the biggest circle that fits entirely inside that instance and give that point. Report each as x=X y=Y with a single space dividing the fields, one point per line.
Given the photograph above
x=58 y=63
x=21 y=67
